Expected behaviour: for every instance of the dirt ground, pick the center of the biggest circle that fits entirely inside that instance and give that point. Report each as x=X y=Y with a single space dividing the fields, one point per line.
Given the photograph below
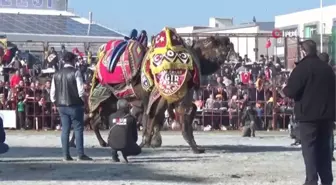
x=35 y=159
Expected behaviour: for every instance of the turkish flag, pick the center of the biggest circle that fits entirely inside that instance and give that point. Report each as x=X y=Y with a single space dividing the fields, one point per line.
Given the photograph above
x=245 y=77
x=268 y=43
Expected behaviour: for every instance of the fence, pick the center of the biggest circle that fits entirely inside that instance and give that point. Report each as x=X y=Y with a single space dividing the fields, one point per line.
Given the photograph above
x=39 y=113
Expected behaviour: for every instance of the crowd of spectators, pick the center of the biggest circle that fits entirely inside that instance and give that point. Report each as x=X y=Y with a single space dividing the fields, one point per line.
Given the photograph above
x=220 y=102
x=26 y=90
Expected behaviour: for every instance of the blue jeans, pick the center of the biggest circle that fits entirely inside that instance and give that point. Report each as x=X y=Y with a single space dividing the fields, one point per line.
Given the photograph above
x=72 y=116
x=3 y=148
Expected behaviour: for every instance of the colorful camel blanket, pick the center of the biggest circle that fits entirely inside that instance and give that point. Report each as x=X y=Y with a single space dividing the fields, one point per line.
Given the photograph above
x=126 y=61
x=169 y=66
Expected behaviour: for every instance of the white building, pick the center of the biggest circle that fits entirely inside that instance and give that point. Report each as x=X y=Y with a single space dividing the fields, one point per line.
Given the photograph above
x=306 y=24
x=245 y=37
x=303 y=25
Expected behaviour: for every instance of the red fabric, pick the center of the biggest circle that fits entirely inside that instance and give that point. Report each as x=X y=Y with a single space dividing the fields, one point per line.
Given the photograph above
x=117 y=77
x=77 y=52
x=268 y=44
x=245 y=77
x=15 y=80
x=7 y=56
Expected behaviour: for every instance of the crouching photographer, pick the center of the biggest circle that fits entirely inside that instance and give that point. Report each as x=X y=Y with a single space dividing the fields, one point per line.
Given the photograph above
x=123 y=134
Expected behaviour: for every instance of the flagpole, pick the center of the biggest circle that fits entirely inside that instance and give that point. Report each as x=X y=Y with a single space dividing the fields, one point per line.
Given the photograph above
x=321 y=26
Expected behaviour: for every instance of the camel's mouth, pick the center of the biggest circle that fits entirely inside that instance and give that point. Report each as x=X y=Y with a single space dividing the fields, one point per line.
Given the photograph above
x=170 y=81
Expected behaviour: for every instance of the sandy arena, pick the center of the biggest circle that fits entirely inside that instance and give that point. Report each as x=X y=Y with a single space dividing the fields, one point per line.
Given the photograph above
x=35 y=159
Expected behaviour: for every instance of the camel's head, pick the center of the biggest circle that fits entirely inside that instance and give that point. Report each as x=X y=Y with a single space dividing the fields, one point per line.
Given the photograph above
x=214 y=49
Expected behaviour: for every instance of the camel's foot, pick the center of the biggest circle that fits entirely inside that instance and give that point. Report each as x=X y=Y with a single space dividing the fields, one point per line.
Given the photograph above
x=156 y=144
x=156 y=141
x=103 y=144
x=198 y=150
x=144 y=145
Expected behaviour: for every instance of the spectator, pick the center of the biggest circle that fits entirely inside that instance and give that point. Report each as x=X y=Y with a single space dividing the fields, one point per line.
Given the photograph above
x=16 y=61
x=21 y=112
x=67 y=93
x=324 y=57
x=207 y=92
x=209 y=104
x=15 y=79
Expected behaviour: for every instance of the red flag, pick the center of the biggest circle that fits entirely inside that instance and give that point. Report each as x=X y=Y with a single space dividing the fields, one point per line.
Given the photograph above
x=245 y=77
x=268 y=43
x=77 y=52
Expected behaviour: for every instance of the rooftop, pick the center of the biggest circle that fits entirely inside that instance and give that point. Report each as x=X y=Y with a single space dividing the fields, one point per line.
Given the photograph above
x=264 y=26
x=50 y=22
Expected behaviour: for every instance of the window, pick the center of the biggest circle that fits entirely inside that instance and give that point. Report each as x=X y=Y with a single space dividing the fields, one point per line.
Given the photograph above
x=310 y=31
x=217 y=25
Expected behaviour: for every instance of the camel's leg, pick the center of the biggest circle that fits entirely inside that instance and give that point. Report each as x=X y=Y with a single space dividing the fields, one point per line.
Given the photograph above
x=156 y=141
x=186 y=115
x=157 y=114
x=95 y=121
x=144 y=122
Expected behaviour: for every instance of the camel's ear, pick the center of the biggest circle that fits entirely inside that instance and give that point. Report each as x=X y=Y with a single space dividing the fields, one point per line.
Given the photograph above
x=193 y=42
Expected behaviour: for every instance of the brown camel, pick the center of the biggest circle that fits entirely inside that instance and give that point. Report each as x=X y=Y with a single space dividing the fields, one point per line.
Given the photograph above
x=207 y=55
x=210 y=53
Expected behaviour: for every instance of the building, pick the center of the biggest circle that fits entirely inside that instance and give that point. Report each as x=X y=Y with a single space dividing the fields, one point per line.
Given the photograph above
x=304 y=25
x=34 y=24
x=248 y=39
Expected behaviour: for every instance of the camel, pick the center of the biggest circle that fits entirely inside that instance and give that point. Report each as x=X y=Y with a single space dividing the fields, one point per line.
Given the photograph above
x=204 y=57
x=171 y=73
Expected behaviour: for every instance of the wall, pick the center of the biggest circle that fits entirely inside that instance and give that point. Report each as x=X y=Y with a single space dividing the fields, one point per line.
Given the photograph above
x=220 y=22
x=305 y=18
x=186 y=30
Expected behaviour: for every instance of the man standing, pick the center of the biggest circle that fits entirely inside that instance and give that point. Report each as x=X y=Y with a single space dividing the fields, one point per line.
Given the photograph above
x=67 y=94
x=312 y=86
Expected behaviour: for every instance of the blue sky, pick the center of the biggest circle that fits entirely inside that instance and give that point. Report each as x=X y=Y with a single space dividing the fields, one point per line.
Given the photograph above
x=124 y=15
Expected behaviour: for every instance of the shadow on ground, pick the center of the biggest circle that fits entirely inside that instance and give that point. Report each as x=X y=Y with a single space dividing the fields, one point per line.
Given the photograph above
x=31 y=152
x=77 y=171
x=234 y=148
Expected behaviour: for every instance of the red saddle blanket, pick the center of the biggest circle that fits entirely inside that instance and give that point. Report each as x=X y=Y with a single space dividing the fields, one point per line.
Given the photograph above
x=127 y=66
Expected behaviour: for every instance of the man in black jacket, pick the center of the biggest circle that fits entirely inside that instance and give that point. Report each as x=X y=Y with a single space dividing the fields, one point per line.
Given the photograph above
x=67 y=93
x=123 y=134
x=312 y=86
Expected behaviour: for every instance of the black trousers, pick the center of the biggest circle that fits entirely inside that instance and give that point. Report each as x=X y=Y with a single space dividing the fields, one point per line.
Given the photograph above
x=316 y=151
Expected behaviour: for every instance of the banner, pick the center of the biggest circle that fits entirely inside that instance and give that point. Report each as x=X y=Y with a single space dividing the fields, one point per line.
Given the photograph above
x=8 y=118
x=35 y=4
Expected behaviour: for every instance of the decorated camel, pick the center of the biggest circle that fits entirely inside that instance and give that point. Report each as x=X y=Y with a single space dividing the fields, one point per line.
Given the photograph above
x=154 y=80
